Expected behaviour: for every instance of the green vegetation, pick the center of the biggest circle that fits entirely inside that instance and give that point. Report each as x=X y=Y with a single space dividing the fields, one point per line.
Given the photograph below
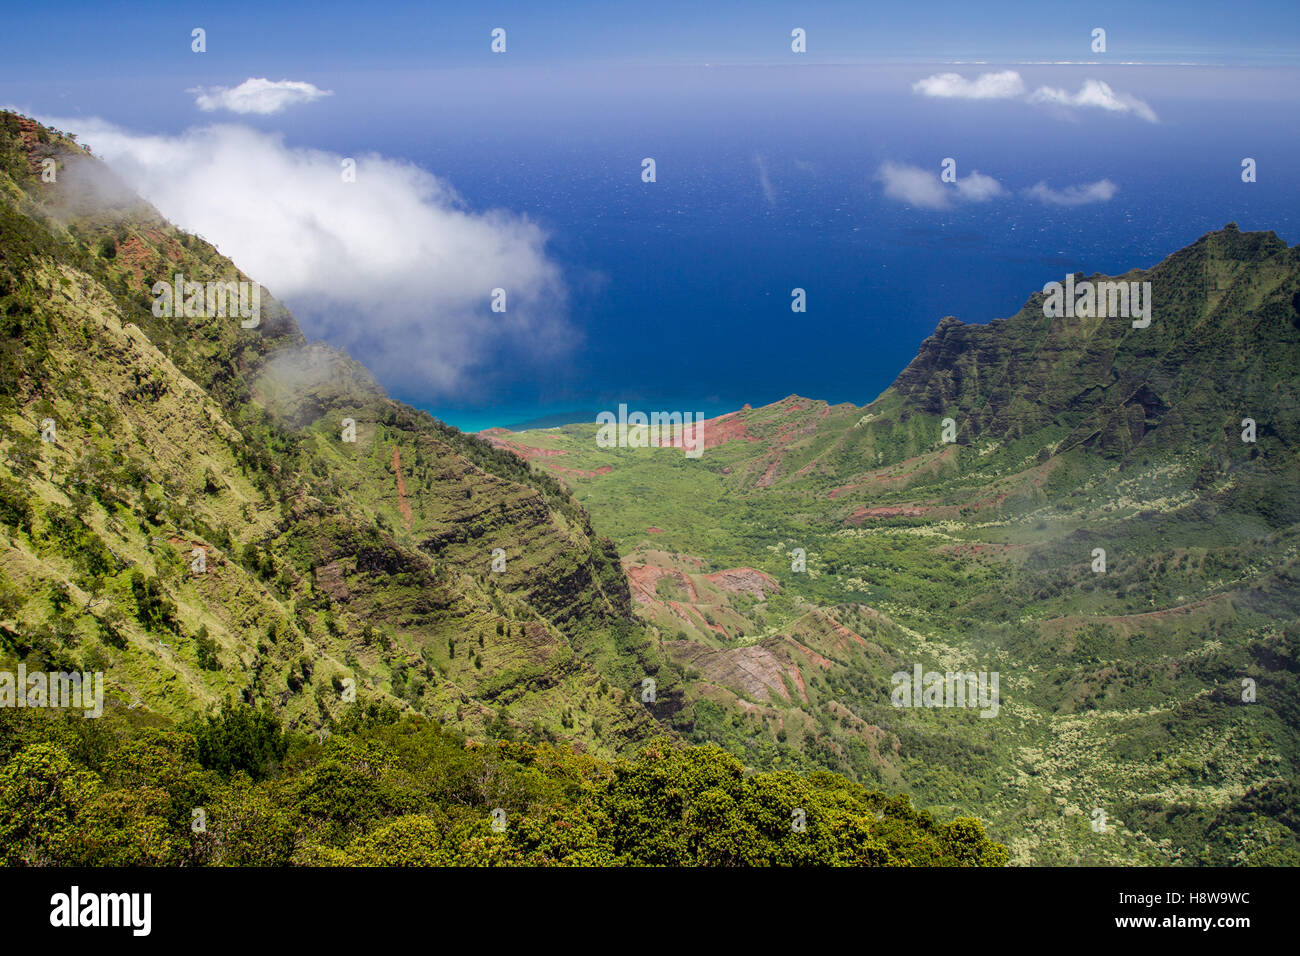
x=387 y=790
x=131 y=444
x=1123 y=691
x=183 y=509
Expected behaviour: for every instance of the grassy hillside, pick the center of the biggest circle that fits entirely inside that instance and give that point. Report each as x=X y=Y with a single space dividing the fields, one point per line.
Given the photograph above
x=203 y=510
x=813 y=551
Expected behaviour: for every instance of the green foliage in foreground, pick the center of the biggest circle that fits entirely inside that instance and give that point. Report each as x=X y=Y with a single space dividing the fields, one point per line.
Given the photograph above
x=391 y=790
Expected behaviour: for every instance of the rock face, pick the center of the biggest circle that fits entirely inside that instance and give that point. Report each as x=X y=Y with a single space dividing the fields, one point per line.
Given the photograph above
x=757 y=584
x=757 y=671
x=1109 y=385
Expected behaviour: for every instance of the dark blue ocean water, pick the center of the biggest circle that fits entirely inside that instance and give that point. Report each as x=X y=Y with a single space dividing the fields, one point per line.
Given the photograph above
x=679 y=290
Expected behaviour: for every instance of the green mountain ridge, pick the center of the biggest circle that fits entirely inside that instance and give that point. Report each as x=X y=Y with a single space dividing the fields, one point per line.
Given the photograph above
x=326 y=560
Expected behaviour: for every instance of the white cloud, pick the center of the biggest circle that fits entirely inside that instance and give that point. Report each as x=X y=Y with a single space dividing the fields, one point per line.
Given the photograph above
x=1096 y=94
x=257 y=95
x=913 y=185
x=987 y=86
x=921 y=187
x=978 y=188
x=393 y=267
x=1008 y=85
x=1100 y=191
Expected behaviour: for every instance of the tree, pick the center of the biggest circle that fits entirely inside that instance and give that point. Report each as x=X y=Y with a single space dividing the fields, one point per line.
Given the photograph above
x=239 y=739
x=41 y=793
x=123 y=828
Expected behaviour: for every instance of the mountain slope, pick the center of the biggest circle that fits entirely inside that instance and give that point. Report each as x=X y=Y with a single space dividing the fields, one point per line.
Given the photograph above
x=186 y=509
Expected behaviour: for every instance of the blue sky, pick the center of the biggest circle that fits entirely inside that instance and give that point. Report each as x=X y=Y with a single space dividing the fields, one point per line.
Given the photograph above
x=775 y=171
x=141 y=39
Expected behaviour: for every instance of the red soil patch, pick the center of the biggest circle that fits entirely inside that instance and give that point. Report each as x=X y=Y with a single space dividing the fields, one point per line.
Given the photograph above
x=893 y=511
x=845 y=632
x=770 y=474
x=799 y=682
x=963 y=548
x=164 y=243
x=191 y=544
x=981 y=503
x=943 y=456
x=714 y=431
x=28 y=130
x=825 y=663
x=526 y=452
x=642 y=579
x=135 y=255
x=402 y=504
x=756 y=671
x=744 y=581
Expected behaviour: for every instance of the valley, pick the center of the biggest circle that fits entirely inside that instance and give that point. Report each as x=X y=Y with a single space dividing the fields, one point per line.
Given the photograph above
x=235 y=525
x=1098 y=534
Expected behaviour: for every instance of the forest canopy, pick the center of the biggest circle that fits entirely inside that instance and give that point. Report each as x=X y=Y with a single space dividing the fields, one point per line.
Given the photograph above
x=387 y=789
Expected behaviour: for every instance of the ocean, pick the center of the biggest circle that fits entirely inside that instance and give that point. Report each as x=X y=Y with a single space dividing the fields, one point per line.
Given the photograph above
x=767 y=180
